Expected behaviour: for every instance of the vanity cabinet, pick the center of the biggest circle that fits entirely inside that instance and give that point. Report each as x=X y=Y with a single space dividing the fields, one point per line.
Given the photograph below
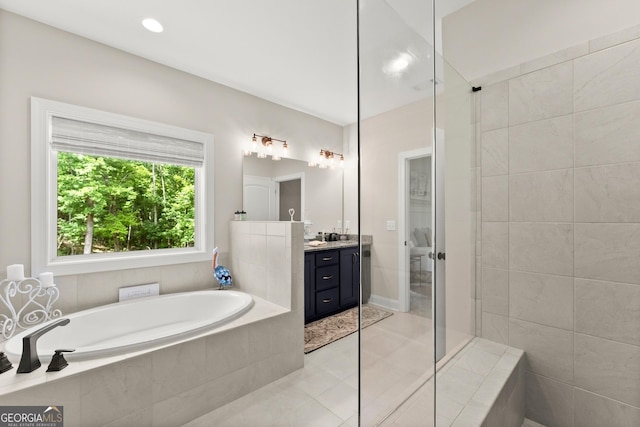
x=331 y=281
x=349 y=276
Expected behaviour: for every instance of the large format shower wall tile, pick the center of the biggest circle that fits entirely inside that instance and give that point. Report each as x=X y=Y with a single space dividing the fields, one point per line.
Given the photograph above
x=609 y=368
x=494 y=106
x=495 y=291
x=541 y=298
x=608 y=135
x=610 y=40
x=608 y=193
x=549 y=402
x=592 y=410
x=495 y=327
x=494 y=152
x=558 y=57
x=495 y=244
x=542 y=196
x=607 y=77
x=549 y=350
x=495 y=194
x=541 y=94
x=543 y=145
x=608 y=252
x=608 y=310
x=541 y=248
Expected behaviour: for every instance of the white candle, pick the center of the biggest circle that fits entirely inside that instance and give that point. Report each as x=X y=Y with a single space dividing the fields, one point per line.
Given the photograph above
x=15 y=272
x=46 y=278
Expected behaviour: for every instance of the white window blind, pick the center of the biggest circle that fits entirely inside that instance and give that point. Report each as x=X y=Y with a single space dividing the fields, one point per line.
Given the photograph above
x=82 y=137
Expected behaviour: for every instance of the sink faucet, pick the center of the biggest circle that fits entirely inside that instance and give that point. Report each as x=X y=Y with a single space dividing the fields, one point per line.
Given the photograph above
x=29 y=361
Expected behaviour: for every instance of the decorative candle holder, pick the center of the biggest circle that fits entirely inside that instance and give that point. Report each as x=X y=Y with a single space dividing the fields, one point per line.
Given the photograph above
x=37 y=309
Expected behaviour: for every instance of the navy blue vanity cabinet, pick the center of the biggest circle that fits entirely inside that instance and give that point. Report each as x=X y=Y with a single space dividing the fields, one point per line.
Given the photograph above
x=332 y=279
x=309 y=287
x=327 y=276
x=349 y=277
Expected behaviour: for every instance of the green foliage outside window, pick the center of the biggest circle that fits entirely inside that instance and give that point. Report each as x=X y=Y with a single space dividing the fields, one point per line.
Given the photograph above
x=107 y=204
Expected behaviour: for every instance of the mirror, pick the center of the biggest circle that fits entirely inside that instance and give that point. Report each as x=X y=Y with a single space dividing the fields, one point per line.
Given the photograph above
x=271 y=188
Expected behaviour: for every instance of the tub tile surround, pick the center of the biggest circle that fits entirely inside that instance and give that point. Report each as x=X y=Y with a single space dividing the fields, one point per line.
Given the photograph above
x=560 y=277
x=174 y=383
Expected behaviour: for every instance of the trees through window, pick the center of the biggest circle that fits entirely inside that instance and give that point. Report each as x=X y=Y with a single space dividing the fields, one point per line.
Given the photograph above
x=107 y=204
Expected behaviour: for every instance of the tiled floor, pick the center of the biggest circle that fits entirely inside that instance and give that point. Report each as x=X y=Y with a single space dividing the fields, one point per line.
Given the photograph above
x=396 y=354
x=420 y=299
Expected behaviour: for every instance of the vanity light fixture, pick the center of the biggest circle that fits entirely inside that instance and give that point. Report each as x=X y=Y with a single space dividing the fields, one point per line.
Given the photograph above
x=327 y=158
x=267 y=147
x=152 y=25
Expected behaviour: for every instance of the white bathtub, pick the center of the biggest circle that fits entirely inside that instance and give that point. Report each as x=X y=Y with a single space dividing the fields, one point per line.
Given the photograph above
x=136 y=324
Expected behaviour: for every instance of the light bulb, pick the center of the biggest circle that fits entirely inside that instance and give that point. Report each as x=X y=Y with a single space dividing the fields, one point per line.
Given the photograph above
x=262 y=155
x=247 y=153
x=152 y=25
x=275 y=157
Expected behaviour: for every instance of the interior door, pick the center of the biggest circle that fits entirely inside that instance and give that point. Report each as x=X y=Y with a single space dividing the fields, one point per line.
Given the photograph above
x=259 y=198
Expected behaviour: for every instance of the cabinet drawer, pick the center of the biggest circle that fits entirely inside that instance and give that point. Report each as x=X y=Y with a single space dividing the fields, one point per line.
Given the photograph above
x=327 y=258
x=327 y=277
x=327 y=301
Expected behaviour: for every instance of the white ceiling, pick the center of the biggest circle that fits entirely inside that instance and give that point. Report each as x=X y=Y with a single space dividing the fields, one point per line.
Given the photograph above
x=298 y=53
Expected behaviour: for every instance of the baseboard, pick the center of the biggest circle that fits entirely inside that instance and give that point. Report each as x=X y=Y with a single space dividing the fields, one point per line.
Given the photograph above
x=388 y=303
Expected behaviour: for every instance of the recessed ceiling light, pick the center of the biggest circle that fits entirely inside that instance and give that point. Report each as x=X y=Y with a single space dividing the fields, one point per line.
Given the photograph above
x=152 y=25
x=398 y=64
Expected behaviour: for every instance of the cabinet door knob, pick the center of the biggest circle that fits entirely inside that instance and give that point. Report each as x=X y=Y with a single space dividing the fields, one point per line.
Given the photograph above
x=327 y=277
x=441 y=255
x=328 y=300
x=327 y=258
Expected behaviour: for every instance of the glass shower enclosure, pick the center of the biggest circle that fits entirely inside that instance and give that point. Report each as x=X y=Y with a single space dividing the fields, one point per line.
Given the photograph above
x=418 y=198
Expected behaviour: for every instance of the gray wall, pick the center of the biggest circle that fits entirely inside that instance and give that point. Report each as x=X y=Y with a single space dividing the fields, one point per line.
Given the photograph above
x=38 y=60
x=559 y=145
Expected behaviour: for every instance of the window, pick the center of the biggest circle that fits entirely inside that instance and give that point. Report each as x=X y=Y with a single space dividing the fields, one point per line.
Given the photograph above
x=112 y=192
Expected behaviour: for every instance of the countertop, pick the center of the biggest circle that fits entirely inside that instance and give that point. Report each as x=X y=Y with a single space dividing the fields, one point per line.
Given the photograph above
x=339 y=244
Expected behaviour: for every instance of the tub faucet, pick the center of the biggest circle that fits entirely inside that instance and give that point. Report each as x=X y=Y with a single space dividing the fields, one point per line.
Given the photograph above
x=29 y=361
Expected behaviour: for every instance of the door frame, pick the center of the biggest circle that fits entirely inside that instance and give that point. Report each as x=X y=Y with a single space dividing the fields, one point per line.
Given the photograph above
x=404 y=249
x=290 y=177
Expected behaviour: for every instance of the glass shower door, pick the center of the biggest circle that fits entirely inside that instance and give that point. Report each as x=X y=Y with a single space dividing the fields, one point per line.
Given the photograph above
x=395 y=128
x=411 y=103
x=455 y=223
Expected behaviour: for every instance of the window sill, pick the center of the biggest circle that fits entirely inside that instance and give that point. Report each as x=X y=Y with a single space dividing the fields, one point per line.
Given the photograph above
x=83 y=264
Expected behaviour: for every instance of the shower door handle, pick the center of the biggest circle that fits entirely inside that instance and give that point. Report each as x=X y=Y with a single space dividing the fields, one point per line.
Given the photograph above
x=441 y=256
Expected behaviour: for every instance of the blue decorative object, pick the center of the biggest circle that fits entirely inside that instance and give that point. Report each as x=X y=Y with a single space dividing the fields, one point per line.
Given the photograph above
x=220 y=272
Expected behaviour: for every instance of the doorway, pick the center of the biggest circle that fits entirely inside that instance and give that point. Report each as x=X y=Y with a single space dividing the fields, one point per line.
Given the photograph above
x=416 y=236
x=270 y=199
x=289 y=199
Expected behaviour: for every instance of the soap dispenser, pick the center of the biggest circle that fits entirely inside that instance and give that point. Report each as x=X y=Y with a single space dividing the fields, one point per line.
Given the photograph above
x=58 y=362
